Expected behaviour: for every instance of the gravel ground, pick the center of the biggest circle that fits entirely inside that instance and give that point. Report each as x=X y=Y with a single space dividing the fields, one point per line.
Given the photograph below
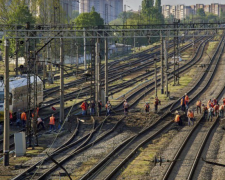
x=218 y=171
x=158 y=171
x=98 y=151
x=204 y=170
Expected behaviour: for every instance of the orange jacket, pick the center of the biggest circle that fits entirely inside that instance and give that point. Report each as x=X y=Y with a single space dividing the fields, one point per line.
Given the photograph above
x=221 y=107
x=52 y=120
x=181 y=102
x=177 y=118
x=186 y=98
x=83 y=107
x=23 y=116
x=216 y=107
x=198 y=103
x=190 y=114
x=223 y=101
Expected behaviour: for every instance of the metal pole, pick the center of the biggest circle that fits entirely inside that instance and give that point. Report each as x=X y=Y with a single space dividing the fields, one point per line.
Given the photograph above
x=155 y=60
x=174 y=53
x=166 y=65
x=106 y=70
x=162 y=66
x=61 y=81
x=77 y=59
x=44 y=70
x=85 y=61
x=17 y=53
x=97 y=82
x=6 y=106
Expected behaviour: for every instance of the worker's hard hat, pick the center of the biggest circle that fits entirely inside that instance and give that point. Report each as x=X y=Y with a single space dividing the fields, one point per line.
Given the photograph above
x=176 y=112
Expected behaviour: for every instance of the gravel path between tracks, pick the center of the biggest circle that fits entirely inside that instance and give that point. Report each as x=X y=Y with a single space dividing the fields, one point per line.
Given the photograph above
x=158 y=171
x=218 y=171
x=204 y=170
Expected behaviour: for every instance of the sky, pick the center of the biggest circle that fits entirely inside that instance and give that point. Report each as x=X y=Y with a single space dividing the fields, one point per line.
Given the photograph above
x=134 y=4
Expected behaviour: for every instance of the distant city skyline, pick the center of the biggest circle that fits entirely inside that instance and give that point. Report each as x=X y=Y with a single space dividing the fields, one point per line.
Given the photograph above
x=134 y=4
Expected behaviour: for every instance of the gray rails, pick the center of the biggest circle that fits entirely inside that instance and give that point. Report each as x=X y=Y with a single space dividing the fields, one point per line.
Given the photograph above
x=110 y=165
x=74 y=134
x=186 y=144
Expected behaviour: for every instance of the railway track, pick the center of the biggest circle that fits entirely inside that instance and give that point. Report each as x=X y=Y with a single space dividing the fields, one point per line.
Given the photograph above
x=145 y=130
x=115 y=76
x=112 y=163
x=190 y=150
x=85 y=142
x=117 y=89
x=112 y=89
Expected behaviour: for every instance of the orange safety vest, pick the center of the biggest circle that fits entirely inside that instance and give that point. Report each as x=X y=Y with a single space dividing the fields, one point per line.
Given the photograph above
x=146 y=106
x=224 y=101
x=216 y=107
x=198 y=103
x=37 y=110
x=52 y=120
x=177 y=118
x=212 y=104
x=186 y=98
x=190 y=114
x=156 y=101
x=181 y=102
x=23 y=116
x=221 y=107
x=83 y=106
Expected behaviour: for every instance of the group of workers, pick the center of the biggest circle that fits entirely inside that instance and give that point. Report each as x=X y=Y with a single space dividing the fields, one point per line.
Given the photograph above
x=108 y=107
x=84 y=106
x=211 y=109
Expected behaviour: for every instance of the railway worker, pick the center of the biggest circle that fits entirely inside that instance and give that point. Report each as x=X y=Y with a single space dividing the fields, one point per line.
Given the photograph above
x=108 y=107
x=92 y=107
x=156 y=103
x=84 y=108
x=212 y=104
x=221 y=111
x=186 y=100
x=223 y=101
x=147 y=107
x=178 y=119
x=23 y=118
x=198 y=105
x=190 y=116
x=215 y=101
x=125 y=107
x=182 y=103
x=210 y=113
x=10 y=117
x=216 y=110
x=52 y=123
x=40 y=122
x=205 y=111
x=209 y=103
x=18 y=117
x=99 y=107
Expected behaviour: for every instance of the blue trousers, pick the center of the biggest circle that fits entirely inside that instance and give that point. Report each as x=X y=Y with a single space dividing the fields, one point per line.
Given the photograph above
x=52 y=127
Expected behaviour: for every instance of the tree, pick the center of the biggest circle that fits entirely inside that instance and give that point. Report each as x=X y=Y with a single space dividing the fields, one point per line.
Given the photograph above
x=75 y=14
x=89 y=19
x=146 y=6
x=200 y=12
x=20 y=16
x=158 y=5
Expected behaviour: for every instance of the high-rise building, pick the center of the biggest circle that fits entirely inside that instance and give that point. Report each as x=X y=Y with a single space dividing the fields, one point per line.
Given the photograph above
x=108 y=9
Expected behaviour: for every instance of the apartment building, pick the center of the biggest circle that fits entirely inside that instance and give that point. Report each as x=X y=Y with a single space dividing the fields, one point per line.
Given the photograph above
x=181 y=11
x=108 y=9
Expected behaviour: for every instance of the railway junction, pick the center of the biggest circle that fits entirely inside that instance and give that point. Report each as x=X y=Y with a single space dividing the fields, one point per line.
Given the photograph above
x=140 y=145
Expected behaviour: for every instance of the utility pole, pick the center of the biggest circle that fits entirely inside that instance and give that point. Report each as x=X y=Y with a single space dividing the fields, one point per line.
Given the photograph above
x=162 y=66
x=166 y=65
x=6 y=106
x=77 y=59
x=106 y=70
x=85 y=61
x=174 y=54
x=61 y=81
x=50 y=59
x=97 y=70
x=17 y=52
x=155 y=61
